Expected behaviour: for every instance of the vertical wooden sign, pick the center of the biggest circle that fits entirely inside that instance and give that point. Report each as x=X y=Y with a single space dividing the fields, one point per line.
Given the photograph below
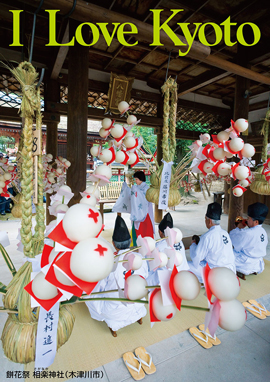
x=36 y=150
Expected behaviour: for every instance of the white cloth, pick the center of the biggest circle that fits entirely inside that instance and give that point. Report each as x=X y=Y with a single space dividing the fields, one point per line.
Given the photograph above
x=123 y=203
x=249 y=249
x=114 y=313
x=4 y=240
x=153 y=278
x=214 y=248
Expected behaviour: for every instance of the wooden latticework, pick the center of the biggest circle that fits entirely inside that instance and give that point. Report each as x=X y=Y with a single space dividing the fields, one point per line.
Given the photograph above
x=111 y=191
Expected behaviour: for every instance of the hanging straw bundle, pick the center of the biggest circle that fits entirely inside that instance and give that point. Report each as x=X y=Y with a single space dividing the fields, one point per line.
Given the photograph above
x=260 y=185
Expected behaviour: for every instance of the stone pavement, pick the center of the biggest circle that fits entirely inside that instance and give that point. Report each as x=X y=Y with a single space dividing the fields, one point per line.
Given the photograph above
x=242 y=356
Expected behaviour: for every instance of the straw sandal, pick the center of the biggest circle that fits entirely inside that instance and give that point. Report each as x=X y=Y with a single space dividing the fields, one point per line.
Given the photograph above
x=259 y=306
x=134 y=366
x=146 y=360
x=200 y=337
x=213 y=340
x=256 y=311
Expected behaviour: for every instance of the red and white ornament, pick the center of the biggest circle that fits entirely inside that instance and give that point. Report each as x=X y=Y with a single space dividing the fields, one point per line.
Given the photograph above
x=123 y=106
x=238 y=190
x=224 y=169
x=241 y=172
x=161 y=312
x=241 y=125
x=236 y=144
x=223 y=136
x=103 y=133
x=186 y=285
x=121 y=156
x=103 y=170
x=131 y=120
x=117 y=131
x=135 y=287
x=91 y=200
x=132 y=158
x=42 y=289
x=232 y=315
x=95 y=150
x=163 y=258
x=219 y=153
x=224 y=284
x=105 y=155
x=107 y=123
x=248 y=150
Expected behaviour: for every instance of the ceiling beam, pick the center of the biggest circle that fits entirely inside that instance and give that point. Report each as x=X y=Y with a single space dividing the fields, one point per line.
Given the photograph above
x=61 y=55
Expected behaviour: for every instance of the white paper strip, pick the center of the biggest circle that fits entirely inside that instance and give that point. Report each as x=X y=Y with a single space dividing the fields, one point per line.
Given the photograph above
x=165 y=185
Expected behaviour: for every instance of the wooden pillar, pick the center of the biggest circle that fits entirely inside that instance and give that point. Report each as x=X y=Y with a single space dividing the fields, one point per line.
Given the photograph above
x=77 y=115
x=159 y=213
x=52 y=94
x=241 y=107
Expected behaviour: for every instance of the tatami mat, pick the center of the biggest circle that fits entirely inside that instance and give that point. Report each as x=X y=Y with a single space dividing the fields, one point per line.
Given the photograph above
x=92 y=345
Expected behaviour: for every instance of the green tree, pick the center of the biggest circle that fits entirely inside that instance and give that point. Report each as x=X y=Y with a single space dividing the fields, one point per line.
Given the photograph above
x=148 y=136
x=6 y=142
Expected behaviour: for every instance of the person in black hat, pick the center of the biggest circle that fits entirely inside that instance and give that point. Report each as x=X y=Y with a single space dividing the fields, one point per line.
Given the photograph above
x=214 y=247
x=167 y=221
x=114 y=313
x=250 y=244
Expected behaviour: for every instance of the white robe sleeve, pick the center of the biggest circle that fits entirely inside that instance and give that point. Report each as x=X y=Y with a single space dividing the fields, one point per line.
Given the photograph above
x=201 y=251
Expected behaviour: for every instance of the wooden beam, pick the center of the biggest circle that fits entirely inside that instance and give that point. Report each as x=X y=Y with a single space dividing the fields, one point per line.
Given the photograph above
x=11 y=114
x=61 y=55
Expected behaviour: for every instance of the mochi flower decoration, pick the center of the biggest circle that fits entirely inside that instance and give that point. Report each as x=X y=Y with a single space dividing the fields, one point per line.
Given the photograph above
x=64 y=194
x=132 y=261
x=102 y=175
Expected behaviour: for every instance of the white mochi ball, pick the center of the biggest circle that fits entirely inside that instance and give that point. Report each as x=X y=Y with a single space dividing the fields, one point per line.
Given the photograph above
x=49 y=156
x=248 y=150
x=236 y=144
x=120 y=156
x=7 y=175
x=130 y=142
x=207 y=167
x=61 y=208
x=244 y=183
x=179 y=235
x=137 y=262
x=129 y=134
x=53 y=255
x=132 y=158
x=241 y=124
x=232 y=315
x=136 y=287
x=67 y=163
x=179 y=258
x=241 y=172
x=206 y=137
x=186 y=285
x=62 y=278
x=90 y=190
x=42 y=289
x=162 y=313
x=164 y=259
x=131 y=119
x=1 y=190
x=65 y=188
x=105 y=155
x=117 y=144
x=198 y=142
x=91 y=200
x=223 y=283
x=224 y=169
x=81 y=222
x=151 y=242
x=223 y=136
x=106 y=123
x=92 y=260
x=51 y=179
x=2 y=178
x=2 y=184
x=104 y=170
x=94 y=151
x=123 y=106
x=219 y=153
x=117 y=131
x=237 y=191
x=10 y=168
x=103 y=133
x=229 y=155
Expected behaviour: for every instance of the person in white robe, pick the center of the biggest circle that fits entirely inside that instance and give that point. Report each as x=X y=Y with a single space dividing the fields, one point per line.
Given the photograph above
x=167 y=221
x=116 y=314
x=214 y=247
x=249 y=245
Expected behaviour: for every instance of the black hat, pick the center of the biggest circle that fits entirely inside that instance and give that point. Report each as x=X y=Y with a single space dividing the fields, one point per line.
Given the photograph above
x=258 y=211
x=167 y=221
x=213 y=211
x=121 y=232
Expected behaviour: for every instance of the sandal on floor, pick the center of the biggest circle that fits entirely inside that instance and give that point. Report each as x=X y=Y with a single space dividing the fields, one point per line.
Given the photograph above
x=201 y=338
x=260 y=306
x=256 y=311
x=146 y=360
x=214 y=340
x=134 y=366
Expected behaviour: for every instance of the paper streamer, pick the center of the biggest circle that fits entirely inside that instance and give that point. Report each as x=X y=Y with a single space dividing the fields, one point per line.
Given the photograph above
x=165 y=185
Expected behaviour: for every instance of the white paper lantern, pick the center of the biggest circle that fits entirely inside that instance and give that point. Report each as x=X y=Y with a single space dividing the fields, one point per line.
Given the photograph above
x=179 y=235
x=151 y=242
x=132 y=158
x=244 y=183
x=89 y=199
x=123 y=106
x=130 y=142
x=162 y=313
x=62 y=278
x=241 y=172
x=248 y=150
x=131 y=119
x=164 y=259
x=103 y=133
x=223 y=283
x=207 y=167
x=91 y=260
x=236 y=144
x=120 y=156
x=105 y=155
x=224 y=169
x=186 y=285
x=82 y=221
x=237 y=191
x=104 y=170
x=241 y=124
x=94 y=151
x=135 y=288
x=117 y=131
x=106 y=123
x=219 y=153
x=42 y=289
x=90 y=190
x=223 y=136
x=232 y=315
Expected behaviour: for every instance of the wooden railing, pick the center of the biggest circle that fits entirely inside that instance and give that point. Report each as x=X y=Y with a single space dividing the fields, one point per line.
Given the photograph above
x=111 y=191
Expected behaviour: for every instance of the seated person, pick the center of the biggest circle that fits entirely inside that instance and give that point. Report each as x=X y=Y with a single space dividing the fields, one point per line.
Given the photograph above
x=250 y=244
x=192 y=249
x=5 y=203
x=114 y=313
x=214 y=247
x=167 y=221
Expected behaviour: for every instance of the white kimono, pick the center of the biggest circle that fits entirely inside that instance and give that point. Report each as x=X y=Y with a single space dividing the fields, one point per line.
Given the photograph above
x=114 y=313
x=153 y=278
x=214 y=248
x=249 y=249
